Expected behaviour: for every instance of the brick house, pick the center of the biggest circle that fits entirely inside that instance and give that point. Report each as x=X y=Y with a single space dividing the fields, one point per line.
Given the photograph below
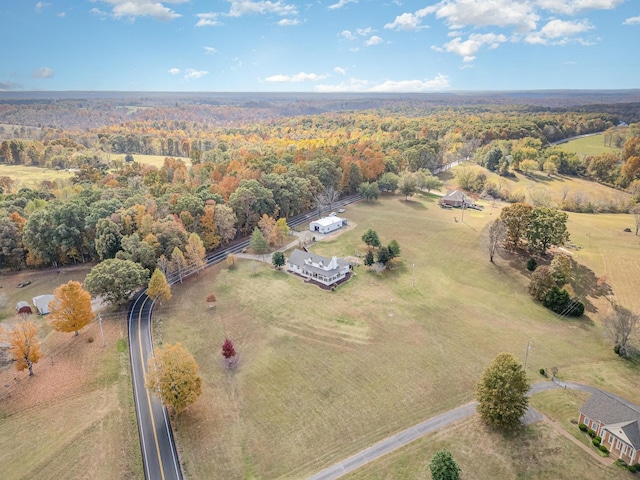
x=617 y=422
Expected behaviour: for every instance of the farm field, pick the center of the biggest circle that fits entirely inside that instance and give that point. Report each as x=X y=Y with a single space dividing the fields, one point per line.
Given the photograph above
x=31 y=177
x=76 y=414
x=591 y=145
x=323 y=375
x=539 y=189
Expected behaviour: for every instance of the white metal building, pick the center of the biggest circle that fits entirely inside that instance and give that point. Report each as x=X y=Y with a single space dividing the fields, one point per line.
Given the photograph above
x=327 y=224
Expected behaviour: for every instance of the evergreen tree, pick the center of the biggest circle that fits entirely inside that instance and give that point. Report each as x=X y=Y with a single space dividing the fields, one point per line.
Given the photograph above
x=443 y=466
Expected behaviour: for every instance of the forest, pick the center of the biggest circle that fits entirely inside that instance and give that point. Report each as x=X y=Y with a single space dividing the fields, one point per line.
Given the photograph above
x=232 y=162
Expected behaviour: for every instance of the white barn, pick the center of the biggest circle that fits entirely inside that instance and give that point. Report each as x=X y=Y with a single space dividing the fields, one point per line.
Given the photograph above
x=315 y=267
x=42 y=303
x=327 y=224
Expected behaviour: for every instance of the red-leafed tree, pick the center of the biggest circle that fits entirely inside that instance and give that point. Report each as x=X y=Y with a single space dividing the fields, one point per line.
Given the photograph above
x=229 y=352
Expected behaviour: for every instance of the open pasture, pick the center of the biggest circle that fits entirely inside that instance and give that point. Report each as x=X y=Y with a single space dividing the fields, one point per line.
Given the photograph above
x=31 y=177
x=324 y=374
x=590 y=145
x=154 y=160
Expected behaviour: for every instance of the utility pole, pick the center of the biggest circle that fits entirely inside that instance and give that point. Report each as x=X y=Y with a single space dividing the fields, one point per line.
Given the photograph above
x=526 y=356
x=104 y=344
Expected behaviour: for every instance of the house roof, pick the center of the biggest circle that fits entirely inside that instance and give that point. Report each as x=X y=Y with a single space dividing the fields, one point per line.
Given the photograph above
x=326 y=221
x=42 y=303
x=22 y=304
x=617 y=414
x=317 y=263
x=455 y=195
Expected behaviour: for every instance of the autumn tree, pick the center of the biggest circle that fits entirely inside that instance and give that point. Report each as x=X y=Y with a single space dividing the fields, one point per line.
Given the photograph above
x=495 y=236
x=541 y=282
x=621 y=326
x=24 y=346
x=270 y=231
x=635 y=211
x=70 y=310
x=158 y=288
x=115 y=280
x=173 y=375
x=229 y=352
x=278 y=260
x=516 y=219
x=443 y=466
x=208 y=228
x=178 y=262
x=502 y=392
x=231 y=261
x=560 y=268
x=195 y=252
x=283 y=229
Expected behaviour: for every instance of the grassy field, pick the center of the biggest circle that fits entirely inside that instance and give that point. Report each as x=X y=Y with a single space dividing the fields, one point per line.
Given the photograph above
x=155 y=160
x=74 y=418
x=588 y=146
x=323 y=375
x=540 y=189
x=31 y=177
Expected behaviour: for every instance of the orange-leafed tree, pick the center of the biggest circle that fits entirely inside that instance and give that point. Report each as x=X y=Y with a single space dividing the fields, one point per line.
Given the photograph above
x=24 y=346
x=70 y=309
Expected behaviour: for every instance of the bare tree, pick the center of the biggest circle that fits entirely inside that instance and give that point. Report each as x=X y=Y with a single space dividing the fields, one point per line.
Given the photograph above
x=621 y=326
x=495 y=237
x=635 y=210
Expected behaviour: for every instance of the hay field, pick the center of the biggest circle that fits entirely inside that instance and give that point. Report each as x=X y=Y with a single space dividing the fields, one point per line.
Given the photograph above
x=323 y=375
x=31 y=177
x=588 y=146
x=155 y=160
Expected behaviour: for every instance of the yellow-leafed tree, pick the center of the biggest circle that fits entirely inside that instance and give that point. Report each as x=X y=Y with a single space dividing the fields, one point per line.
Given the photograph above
x=159 y=288
x=24 y=346
x=173 y=375
x=70 y=309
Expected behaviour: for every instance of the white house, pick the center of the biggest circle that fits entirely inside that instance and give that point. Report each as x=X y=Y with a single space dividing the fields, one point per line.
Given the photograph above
x=42 y=303
x=320 y=269
x=327 y=224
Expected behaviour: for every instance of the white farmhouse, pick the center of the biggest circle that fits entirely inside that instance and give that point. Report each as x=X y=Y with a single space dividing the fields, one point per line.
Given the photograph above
x=327 y=224
x=320 y=269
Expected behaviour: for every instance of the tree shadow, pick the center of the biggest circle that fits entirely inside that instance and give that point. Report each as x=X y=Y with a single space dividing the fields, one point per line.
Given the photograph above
x=587 y=285
x=412 y=204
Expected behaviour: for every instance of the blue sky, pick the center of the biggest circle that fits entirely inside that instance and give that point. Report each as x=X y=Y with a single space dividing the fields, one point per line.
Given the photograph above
x=319 y=45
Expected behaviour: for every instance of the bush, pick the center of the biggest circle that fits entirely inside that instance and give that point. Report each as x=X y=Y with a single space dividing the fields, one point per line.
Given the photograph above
x=596 y=441
x=604 y=449
x=591 y=432
x=633 y=468
x=532 y=264
x=577 y=309
x=616 y=349
x=583 y=427
x=598 y=438
x=542 y=372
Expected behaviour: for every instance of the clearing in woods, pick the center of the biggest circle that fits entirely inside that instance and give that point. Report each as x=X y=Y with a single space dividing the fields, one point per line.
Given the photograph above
x=323 y=375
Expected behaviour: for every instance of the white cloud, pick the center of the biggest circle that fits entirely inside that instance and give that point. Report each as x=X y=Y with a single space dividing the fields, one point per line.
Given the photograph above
x=142 y=8
x=41 y=5
x=341 y=3
x=193 y=74
x=632 y=21
x=289 y=22
x=439 y=82
x=62 y=14
x=249 y=7
x=99 y=13
x=374 y=40
x=571 y=7
x=482 y=13
x=209 y=50
x=44 y=72
x=364 y=32
x=406 y=21
x=174 y=71
x=347 y=35
x=559 y=32
x=468 y=48
x=340 y=70
x=298 y=77
x=207 y=19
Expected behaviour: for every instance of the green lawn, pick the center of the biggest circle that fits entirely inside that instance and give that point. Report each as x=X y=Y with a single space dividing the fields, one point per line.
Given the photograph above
x=31 y=177
x=588 y=146
x=323 y=375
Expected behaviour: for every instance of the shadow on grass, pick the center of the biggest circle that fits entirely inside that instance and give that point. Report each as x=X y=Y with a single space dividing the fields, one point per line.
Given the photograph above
x=586 y=284
x=413 y=204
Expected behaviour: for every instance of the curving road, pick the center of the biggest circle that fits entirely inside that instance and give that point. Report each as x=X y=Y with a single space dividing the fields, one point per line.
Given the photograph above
x=159 y=455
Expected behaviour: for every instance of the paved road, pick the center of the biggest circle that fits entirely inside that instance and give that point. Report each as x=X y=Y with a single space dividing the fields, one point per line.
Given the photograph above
x=431 y=425
x=159 y=454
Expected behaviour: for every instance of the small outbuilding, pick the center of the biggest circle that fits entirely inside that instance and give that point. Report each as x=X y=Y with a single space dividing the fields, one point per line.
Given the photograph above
x=327 y=224
x=617 y=422
x=457 y=199
x=23 y=307
x=317 y=268
x=42 y=303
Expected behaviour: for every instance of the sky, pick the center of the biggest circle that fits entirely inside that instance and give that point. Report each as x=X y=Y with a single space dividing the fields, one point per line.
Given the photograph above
x=319 y=45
